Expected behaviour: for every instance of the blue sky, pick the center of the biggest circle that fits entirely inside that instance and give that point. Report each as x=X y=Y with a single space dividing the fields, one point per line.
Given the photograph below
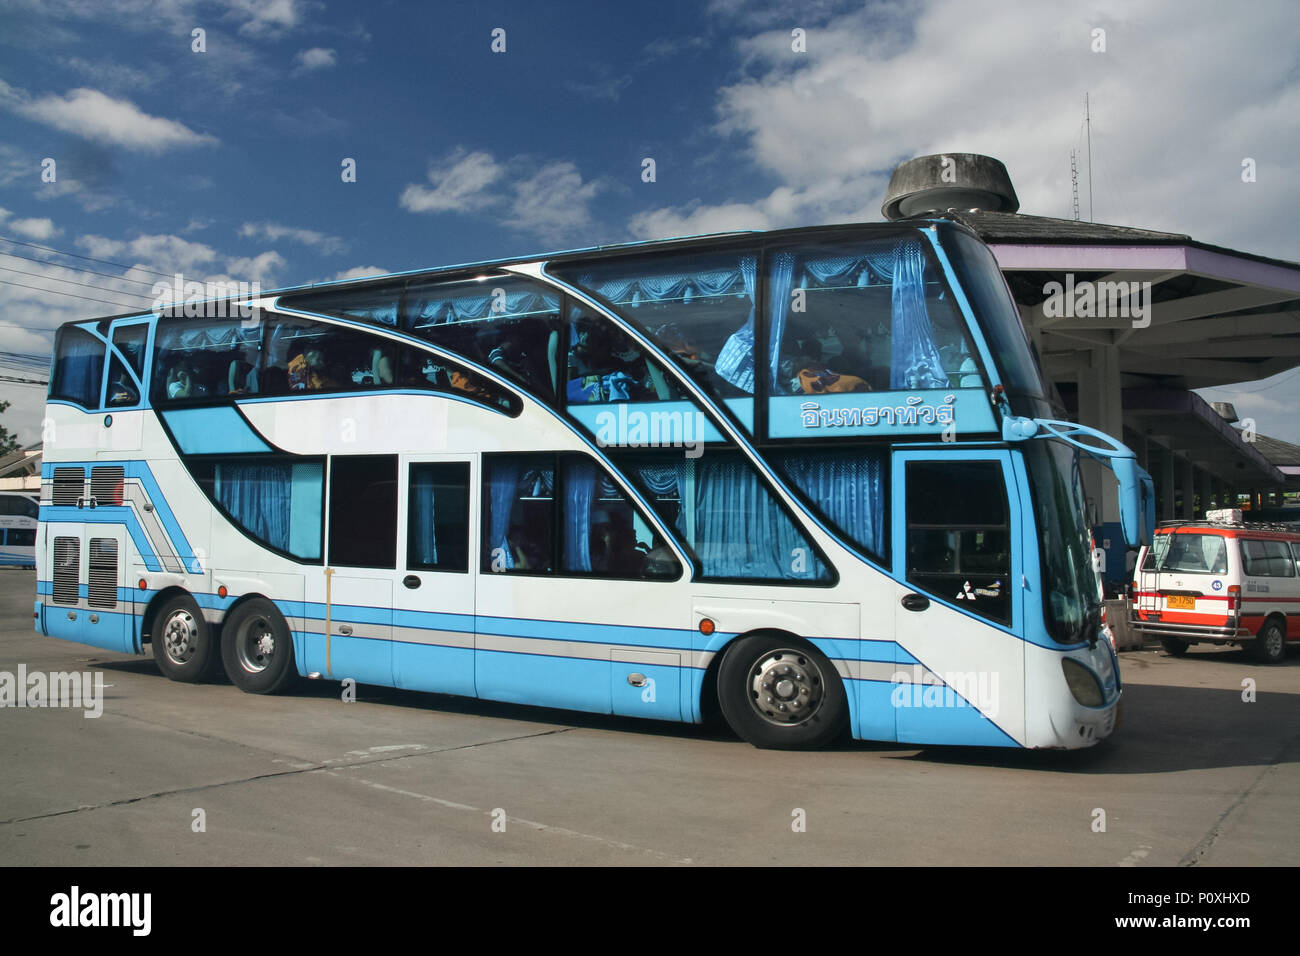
x=226 y=163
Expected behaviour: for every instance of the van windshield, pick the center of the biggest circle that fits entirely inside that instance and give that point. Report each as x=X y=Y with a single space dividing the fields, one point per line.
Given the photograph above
x=1188 y=553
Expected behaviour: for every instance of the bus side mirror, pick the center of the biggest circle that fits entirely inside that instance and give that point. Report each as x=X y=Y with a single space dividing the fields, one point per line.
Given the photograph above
x=1136 y=501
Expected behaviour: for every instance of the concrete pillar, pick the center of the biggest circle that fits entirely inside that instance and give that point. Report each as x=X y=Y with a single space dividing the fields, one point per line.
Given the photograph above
x=1203 y=486
x=1189 y=490
x=1166 y=484
x=1100 y=407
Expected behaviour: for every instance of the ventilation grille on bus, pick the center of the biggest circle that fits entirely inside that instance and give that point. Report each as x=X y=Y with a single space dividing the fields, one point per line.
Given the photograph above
x=69 y=485
x=67 y=554
x=106 y=484
x=102 y=588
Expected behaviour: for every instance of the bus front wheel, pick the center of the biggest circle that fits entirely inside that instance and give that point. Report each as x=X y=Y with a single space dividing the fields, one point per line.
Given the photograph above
x=781 y=694
x=182 y=641
x=1173 y=646
x=257 y=649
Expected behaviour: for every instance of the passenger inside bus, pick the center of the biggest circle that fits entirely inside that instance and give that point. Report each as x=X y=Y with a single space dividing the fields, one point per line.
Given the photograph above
x=241 y=377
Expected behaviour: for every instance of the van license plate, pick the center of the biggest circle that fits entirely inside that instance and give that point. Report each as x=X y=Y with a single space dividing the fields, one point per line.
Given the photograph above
x=1180 y=602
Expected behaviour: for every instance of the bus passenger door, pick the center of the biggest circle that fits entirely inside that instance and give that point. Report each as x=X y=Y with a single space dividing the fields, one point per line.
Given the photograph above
x=433 y=594
x=353 y=598
x=958 y=602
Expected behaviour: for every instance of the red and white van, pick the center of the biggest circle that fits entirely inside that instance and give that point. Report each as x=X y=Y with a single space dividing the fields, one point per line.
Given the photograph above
x=1220 y=583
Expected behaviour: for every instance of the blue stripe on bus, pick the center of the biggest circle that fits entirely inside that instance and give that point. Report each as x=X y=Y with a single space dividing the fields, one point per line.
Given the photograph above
x=132 y=468
x=108 y=514
x=218 y=429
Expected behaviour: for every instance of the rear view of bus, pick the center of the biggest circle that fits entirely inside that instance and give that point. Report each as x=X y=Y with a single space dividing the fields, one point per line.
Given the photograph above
x=807 y=478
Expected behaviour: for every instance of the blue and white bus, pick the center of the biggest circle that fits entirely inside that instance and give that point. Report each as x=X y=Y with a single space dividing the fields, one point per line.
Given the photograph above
x=18 y=513
x=806 y=478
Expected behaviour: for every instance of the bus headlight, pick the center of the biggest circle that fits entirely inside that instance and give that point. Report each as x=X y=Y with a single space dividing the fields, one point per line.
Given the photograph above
x=1083 y=683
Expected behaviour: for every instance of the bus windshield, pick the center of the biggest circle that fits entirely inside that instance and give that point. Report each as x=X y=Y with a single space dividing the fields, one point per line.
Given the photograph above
x=1071 y=587
x=977 y=272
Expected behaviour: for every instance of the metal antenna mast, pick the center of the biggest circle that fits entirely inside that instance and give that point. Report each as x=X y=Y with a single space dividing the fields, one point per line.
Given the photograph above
x=1074 y=181
x=1087 y=115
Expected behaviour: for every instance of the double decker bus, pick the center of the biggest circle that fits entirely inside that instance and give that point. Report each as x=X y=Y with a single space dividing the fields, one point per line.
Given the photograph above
x=805 y=478
x=18 y=513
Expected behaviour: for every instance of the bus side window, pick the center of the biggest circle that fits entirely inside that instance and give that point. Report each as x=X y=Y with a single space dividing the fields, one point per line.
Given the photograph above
x=518 y=513
x=78 y=367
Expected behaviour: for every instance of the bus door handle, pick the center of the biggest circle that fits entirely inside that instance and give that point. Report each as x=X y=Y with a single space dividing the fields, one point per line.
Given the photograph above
x=411 y=581
x=915 y=602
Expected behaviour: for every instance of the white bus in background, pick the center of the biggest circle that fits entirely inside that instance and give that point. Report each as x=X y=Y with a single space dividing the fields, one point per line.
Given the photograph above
x=18 y=514
x=808 y=478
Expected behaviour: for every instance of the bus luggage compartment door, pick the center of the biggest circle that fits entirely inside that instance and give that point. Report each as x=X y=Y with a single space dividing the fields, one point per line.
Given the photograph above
x=88 y=600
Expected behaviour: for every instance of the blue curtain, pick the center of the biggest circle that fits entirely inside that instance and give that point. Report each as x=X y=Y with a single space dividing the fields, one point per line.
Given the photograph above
x=780 y=282
x=741 y=531
x=579 y=493
x=503 y=487
x=446 y=310
x=914 y=358
x=846 y=487
x=736 y=528
x=258 y=496
x=423 y=534
x=735 y=362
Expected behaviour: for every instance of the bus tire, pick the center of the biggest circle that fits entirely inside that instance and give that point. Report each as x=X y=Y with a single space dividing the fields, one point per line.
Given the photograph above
x=1174 y=647
x=781 y=694
x=1270 y=643
x=257 y=648
x=182 y=641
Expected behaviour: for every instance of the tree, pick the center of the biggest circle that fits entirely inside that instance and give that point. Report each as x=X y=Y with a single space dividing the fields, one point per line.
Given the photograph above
x=8 y=442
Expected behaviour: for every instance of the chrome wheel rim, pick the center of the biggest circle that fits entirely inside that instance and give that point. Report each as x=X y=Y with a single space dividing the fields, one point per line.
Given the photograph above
x=786 y=687
x=256 y=645
x=1273 y=641
x=180 y=637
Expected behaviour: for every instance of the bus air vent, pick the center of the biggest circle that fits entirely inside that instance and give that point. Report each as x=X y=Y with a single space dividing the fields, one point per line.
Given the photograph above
x=67 y=555
x=106 y=484
x=103 y=573
x=69 y=486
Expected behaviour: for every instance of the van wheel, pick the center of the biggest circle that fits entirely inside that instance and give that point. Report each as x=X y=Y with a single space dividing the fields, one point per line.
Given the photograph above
x=780 y=694
x=1270 y=643
x=257 y=648
x=1174 y=647
x=182 y=641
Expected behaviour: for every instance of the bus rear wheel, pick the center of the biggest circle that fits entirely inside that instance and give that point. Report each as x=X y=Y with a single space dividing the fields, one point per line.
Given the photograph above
x=1270 y=643
x=781 y=694
x=182 y=641
x=257 y=649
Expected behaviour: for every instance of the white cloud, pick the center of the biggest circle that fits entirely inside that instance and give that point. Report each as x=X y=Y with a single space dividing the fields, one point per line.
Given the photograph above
x=888 y=82
x=40 y=229
x=553 y=202
x=98 y=118
x=549 y=201
x=459 y=184
x=359 y=272
x=267 y=18
x=317 y=58
x=272 y=231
